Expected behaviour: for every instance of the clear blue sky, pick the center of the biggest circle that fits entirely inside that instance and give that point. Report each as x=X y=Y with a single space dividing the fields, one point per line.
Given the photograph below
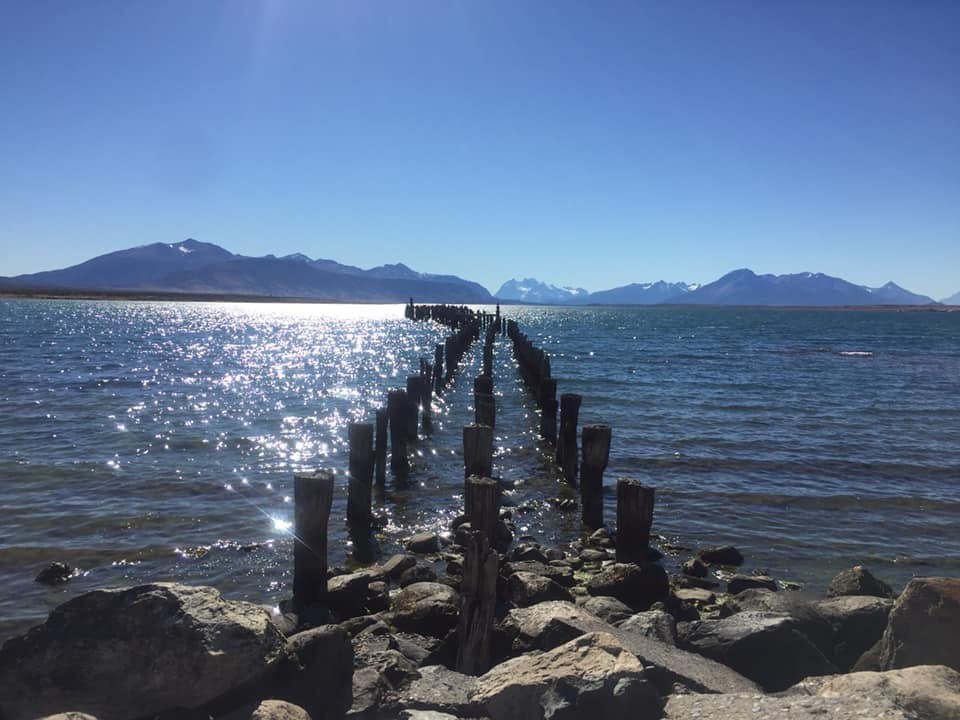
x=583 y=143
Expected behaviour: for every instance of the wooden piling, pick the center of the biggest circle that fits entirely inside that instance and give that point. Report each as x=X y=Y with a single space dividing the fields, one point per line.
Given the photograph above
x=438 y=368
x=567 y=441
x=313 y=497
x=360 y=488
x=478 y=597
x=548 y=410
x=413 y=407
x=481 y=503
x=399 y=411
x=380 y=448
x=634 y=518
x=596 y=452
x=484 y=403
x=477 y=450
x=426 y=397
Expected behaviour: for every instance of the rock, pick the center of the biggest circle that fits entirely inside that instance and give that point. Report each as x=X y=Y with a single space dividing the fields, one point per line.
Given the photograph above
x=395 y=566
x=924 y=625
x=738 y=583
x=810 y=622
x=369 y=689
x=425 y=715
x=593 y=555
x=694 y=567
x=382 y=654
x=423 y=543
x=608 y=609
x=346 y=593
x=723 y=555
x=426 y=608
x=928 y=692
x=857 y=623
x=529 y=551
x=279 y=710
x=416 y=574
x=317 y=674
x=590 y=676
x=54 y=574
x=441 y=690
x=857 y=581
x=377 y=598
x=69 y=716
x=767 y=648
x=600 y=538
x=635 y=585
x=870 y=660
x=656 y=624
x=697 y=596
x=560 y=574
x=526 y=588
x=739 y=706
x=137 y=651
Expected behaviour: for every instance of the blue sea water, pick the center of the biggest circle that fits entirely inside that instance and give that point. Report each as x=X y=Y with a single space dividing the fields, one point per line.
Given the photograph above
x=148 y=441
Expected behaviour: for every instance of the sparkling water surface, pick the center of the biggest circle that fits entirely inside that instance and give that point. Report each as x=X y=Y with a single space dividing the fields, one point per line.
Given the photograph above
x=157 y=441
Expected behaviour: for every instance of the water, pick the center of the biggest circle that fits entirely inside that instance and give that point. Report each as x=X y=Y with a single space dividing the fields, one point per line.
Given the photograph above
x=158 y=441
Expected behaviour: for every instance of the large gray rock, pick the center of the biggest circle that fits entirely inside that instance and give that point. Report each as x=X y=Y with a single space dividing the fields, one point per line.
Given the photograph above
x=608 y=609
x=931 y=692
x=657 y=624
x=741 y=706
x=924 y=625
x=767 y=648
x=548 y=625
x=590 y=676
x=638 y=586
x=802 y=608
x=279 y=710
x=560 y=574
x=857 y=622
x=317 y=673
x=526 y=588
x=441 y=690
x=857 y=581
x=426 y=608
x=137 y=651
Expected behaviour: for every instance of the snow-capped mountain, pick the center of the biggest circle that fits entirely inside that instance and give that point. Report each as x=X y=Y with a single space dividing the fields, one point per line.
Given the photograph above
x=534 y=291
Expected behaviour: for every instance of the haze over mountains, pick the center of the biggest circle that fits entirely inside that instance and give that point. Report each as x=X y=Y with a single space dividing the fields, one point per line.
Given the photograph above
x=204 y=268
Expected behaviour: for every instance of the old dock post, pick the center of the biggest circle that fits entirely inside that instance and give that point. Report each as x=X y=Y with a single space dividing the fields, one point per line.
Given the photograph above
x=313 y=497
x=548 y=409
x=567 y=441
x=360 y=487
x=397 y=407
x=634 y=518
x=477 y=450
x=413 y=406
x=380 y=447
x=484 y=402
x=481 y=503
x=596 y=452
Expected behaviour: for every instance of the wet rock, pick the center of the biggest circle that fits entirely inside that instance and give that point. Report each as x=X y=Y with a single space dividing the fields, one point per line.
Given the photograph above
x=423 y=543
x=529 y=551
x=601 y=539
x=608 y=609
x=426 y=608
x=526 y=588
x=857 y=581
x=395 y=566
x=635 y=585
x=857 y=623
x=694 y=567
x=924 y=625
x=698 y=596
x=656 y=624
x=441 y=690
x=723 y=555
x=765 y=647
x=279 y=710
x=687 y=581
x=54 y=574
x=590 y=676
x=317 y=673
x=738 y=583
x=136 y=651
x=417 y=574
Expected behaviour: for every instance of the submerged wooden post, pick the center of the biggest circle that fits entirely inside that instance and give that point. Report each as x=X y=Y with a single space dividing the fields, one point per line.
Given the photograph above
x=312 y=498
x=481 y=503
x=548 y=410
x=484 y=403
x=413 y=406
x=380 y=448
x=567 y=441
x=477 y=450
x=634 y=518
x=360 y=487
x=478 y=599
x=397 y=407
x=596 y=451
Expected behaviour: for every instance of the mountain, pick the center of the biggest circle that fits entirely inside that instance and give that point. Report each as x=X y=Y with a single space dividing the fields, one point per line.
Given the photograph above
x=952 y=300
x=744 y=287
x=195 y=267
x=534 y=291
x=638 y=294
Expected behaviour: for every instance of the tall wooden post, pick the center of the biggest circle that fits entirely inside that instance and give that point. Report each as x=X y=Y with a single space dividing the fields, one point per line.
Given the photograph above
x=596 y=451
x=438 y=368
x=477 y=450
x=413 y=406
x=380 y=449
x=481 y=503
x=360 y=486
x=397 y=407
x=426 y=396
x=312 y=498
x=478 y=599
x=484 y=402
x=548 y=410
x=634 y=518
x=567 y=442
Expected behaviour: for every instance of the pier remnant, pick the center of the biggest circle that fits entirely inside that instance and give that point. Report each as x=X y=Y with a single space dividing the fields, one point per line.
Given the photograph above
x=634 y=518
x=567 y=441
x=485 y=409
x=360 y=487
x=398 y=409
x=481 y=503
x=477 y=450
x=596 y=452
x=313 y=497
x=380 y=447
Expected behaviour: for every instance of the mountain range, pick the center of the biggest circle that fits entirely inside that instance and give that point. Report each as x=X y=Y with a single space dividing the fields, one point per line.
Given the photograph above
x=194 y=267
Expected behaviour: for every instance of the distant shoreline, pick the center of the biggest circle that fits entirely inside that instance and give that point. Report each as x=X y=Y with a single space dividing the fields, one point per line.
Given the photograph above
x=153 y=296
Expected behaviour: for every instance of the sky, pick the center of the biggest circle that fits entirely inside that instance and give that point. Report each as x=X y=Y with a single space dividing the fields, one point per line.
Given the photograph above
x=589 y=144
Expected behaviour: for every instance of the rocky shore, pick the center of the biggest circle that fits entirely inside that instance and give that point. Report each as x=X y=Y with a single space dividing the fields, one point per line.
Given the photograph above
x=577 y=635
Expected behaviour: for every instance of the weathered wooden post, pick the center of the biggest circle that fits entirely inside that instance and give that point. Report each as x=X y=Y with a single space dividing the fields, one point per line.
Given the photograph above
x=380 y=449
x=312 y=498
x=413 y=406
x=481 y=503
x=397 y=407
x=596 y=452
x=567 y=442
x=360 y=487
x=484 y=403
x=426 y=397
x=548 y=410
x=478 y=598
x=477 y=450
x=438 y=368
x=634 y=518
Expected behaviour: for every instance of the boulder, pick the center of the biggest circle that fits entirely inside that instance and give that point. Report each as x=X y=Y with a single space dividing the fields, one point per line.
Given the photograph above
x=441 y=690
x=802 y=608
x=395 y=566
x=924 y=625
x=425 y=715
x=928 y=692
x=279 y=710
x=635 y=585
x=738 y=706
x=369 y=690
x=590 y=676
x=857 y=581
x=608 y=609
x=656 y=624
x=417 y=574
x=697 y=596
x=560 y=574
x=526 y=588
x=346 y=593
x=69 y=716
x=423 y=543
x=529 y=551
x=723 y=555
x=137 y=651
x=694 y=567
x=738 y=583
x=857 y=622
x=317 y=673
x=768 y=648
x=54 y=574
x=426 y=608
x=382 y=654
